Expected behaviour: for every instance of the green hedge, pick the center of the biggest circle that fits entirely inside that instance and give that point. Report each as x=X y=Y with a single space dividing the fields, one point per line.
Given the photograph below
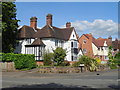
x=21 y=61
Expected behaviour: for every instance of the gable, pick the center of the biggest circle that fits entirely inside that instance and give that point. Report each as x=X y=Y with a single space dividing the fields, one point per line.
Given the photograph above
x=73 y=35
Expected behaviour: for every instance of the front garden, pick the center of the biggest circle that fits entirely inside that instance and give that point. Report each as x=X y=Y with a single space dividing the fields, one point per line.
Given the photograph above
x=55 y=63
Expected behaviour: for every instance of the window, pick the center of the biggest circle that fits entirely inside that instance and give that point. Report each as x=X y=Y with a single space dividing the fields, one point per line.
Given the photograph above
x=84 y=51
x=28 y=41
x=99 y=49
x=73 y=35
x=72 y=58
x=84 y=41
x=75 y=44
x=105 y=48
x=106 y=57
x=71 y=44
x=56 y=42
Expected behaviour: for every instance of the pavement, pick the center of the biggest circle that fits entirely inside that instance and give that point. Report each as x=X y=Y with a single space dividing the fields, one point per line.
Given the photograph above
x=86 y=80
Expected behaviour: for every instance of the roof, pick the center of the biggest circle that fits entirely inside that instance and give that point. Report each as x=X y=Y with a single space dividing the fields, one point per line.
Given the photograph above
x=116 y=44
x=38 y=41
x=98 y=42
x=26 y=32
x=53 y=32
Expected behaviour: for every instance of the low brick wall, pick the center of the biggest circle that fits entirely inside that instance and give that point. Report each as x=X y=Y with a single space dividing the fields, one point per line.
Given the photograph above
x=7 y=66
x=60 y=70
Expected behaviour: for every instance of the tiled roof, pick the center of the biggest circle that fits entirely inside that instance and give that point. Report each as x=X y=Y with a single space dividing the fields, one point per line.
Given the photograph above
x=26 y=32
x=98 y=42
x=38 y=41
x=116 y=44
x=53 y=32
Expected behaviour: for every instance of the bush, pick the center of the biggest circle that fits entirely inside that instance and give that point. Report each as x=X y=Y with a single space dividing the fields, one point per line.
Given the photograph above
x=65 y=63
x=59 y=55
x=21 y=61
x=47 y=58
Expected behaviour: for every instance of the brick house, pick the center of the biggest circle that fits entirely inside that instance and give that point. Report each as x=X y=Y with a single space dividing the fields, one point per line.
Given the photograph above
x=95 y=47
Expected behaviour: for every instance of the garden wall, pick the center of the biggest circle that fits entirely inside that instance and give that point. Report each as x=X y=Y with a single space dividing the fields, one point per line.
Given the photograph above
x=7 y=66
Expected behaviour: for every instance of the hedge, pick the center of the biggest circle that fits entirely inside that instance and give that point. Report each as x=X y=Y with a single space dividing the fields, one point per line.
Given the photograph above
x=22 y=61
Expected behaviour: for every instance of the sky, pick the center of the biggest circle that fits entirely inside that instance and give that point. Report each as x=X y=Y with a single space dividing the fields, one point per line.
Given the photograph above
x=98 y=18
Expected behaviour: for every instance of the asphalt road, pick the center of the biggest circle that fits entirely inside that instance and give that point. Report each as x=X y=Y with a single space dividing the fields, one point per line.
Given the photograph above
x=91 y=80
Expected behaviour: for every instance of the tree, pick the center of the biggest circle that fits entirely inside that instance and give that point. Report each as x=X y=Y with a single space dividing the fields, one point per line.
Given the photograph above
x=9 y=27
x=59 y=55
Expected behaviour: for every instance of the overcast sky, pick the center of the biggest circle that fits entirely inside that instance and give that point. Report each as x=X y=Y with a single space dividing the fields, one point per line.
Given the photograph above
x=98 y=18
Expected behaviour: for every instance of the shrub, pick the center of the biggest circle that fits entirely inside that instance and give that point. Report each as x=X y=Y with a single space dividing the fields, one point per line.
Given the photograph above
x=59 y=55
x=47 y=58
x=89 y=63
x=65 y=63
x=21 y=61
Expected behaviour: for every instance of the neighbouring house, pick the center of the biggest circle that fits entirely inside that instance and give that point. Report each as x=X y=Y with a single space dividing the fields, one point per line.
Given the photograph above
x=95 y=47
x=115 y=46
x=33 y=40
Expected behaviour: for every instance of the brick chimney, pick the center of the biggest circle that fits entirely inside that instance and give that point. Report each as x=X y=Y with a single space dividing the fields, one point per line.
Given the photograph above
x=68 y=25
x=33 y=22
x=49 y=19
x=110 y=40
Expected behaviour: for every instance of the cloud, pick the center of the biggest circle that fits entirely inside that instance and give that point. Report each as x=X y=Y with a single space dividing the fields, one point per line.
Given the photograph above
x=99 y=27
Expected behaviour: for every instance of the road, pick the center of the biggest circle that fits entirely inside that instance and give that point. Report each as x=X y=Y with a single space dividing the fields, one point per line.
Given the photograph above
x=94 y=80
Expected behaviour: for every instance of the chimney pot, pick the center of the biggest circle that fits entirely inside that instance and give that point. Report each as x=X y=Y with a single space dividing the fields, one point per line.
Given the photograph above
x=33 y=22
x=49 y=19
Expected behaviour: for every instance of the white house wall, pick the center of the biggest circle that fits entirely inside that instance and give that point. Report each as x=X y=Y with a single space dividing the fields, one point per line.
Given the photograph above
x=100 y=52
x=67 y=46
x=95 y=49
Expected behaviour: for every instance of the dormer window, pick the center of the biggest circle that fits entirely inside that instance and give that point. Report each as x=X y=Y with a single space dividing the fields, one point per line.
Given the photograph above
x=73 y=35
x=84 y=41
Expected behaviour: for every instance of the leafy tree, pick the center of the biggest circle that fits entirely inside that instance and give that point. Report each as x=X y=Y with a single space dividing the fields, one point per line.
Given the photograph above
x=47 y=58
x=59 y=55
x=9 y=27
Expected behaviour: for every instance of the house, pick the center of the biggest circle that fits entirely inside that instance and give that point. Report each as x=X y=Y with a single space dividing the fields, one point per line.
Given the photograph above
x=115 y=46
x=95 y=47
x=33 y=40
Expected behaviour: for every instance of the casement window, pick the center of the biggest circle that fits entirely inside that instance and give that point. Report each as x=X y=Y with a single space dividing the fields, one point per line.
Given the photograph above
x=106 y=58
x=84 y=41
x=71 y=44
x=84 y=51
x=56 y=42
x=99 y=49
x=28 y=41
x=74 y=44
x=105 y=48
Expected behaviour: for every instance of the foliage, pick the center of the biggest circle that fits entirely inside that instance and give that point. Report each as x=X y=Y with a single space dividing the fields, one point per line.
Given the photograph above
x=89 y=63
x=65 y=63
x=114 y=61
x=21 y=61
x=47 y=56
x=9 y=27
x=98 y=60
x=59 y=55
